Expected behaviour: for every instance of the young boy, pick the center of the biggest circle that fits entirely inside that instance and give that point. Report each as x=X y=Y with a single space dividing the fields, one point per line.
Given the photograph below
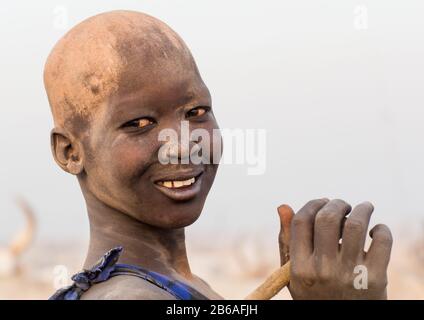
x=114 y=82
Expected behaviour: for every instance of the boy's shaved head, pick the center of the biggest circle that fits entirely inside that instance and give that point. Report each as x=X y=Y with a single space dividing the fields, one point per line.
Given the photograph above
x=115 y=82
x=98 y=57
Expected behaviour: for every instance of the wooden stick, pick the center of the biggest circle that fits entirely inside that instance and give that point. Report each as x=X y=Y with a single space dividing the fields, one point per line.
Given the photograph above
x=272 y=285
x=279 y=278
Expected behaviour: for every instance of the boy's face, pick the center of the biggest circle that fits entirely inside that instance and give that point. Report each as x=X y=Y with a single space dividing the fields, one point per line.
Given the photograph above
x=122 y=163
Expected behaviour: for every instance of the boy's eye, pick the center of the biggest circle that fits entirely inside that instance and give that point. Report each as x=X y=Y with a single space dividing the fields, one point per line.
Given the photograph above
x=140 y=123
x=197 y=112
x=143 y=122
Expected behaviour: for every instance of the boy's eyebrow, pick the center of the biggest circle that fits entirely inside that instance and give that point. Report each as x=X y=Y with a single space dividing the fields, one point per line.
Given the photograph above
x=121 y=115
x=202 y=96
x=189 y=97
x=121 y=112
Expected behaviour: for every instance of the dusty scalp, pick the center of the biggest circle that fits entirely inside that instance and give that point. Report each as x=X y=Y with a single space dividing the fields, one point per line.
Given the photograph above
x=86 y=65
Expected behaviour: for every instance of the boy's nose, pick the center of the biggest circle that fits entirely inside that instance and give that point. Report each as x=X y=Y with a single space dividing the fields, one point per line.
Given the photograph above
x=178 y=147
x=179 y=151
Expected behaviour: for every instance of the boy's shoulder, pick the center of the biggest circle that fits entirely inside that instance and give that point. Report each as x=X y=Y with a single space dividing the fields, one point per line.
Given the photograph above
x=125 y=287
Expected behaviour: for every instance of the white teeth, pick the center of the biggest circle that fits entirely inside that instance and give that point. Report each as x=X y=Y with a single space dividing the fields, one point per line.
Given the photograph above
x=177 y=183
x=188 y=182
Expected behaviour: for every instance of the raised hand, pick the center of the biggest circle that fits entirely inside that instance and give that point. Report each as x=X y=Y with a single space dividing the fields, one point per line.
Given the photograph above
x=322 y=266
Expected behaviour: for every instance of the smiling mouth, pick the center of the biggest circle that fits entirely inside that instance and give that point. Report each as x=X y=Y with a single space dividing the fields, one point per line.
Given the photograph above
x=180 y=189
x=171 y=184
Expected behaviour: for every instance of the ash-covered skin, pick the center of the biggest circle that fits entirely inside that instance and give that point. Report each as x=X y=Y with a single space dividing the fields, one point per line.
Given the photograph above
x=115 y=68
x=119 y=69
x=102 y=77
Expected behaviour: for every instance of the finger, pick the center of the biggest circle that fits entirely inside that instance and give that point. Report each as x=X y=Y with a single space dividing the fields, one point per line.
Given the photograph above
x=381 y=246
x=286 y=214
x=327 y=229
x=355 y=231
x=302 y=229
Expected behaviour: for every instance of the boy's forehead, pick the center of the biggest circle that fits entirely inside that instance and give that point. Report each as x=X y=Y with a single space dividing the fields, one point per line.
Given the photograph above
x=154 y=98
x=171 y=83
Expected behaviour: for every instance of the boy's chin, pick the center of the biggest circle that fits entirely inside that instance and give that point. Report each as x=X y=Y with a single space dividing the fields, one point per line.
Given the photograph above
x=176 y=223
x=172 y=219
x=180 y=224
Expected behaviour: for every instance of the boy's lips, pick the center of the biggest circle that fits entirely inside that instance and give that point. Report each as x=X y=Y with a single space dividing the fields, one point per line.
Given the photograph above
x=180 y=187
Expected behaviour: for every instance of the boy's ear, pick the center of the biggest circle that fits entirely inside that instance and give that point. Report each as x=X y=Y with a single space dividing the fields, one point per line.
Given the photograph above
x=67 y=152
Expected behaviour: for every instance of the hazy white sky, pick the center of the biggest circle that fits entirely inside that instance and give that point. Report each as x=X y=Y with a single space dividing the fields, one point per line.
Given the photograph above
x=337 y=85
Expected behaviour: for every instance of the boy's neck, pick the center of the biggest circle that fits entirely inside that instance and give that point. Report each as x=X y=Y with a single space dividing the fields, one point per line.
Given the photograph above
x=156 y=249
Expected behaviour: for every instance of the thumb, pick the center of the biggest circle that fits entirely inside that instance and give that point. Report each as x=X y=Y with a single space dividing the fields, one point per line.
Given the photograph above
x=286 y=214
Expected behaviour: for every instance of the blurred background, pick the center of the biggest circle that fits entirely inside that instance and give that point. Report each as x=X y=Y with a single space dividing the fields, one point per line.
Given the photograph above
x=336 y=85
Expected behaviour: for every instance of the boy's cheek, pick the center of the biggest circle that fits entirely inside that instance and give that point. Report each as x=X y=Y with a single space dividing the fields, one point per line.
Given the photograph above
x=211 y=142
x=216 y=147
x=128 y=161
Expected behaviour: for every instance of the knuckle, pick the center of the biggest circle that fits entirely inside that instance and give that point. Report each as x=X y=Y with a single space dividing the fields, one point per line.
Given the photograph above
x=299 y=220
x=300 y=274
x=346 y=280
x=375 y=282
x=372 y=282
x=354 y=226
x=324 y=276
x=295 y=270
x=326 y=217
